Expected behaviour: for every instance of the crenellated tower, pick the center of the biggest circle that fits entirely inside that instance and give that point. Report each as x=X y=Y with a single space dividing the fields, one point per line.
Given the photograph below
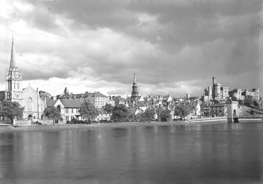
x=13 y=78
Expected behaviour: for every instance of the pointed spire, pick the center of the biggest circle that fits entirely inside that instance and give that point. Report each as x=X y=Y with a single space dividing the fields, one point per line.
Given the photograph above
x=66 y=92
x=12 y=59
x=134 y=78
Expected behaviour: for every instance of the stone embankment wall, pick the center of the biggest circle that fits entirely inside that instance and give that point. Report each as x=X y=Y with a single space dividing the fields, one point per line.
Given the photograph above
x=46 y=122
x=50 y=122
x=22 y=122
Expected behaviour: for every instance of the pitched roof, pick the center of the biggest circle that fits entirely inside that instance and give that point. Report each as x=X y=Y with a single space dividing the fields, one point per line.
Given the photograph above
x=51 y=103
x=101 y=111
x=70 y=103
x=166 y=97
x=98 y=94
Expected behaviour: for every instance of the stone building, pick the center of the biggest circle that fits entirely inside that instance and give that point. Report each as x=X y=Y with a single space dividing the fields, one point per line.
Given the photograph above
x=70 y=109
x=96 y=98
x=242 y=94
x=216 y=92
x=135 y=94
x=28 y=97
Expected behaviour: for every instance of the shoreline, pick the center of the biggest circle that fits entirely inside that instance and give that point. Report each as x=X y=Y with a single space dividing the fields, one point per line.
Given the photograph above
x=210 y=121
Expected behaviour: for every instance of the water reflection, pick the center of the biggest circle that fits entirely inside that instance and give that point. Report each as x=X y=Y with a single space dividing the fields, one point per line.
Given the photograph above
x=223 y=153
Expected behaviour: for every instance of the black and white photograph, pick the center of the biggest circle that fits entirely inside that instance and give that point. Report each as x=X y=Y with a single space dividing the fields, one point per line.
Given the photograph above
x=131 y=91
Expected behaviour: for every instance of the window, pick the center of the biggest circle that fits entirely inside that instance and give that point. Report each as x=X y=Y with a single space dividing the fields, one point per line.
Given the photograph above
x=59 y=108
x=29 y=104
x=66 y=110
x=72 y=110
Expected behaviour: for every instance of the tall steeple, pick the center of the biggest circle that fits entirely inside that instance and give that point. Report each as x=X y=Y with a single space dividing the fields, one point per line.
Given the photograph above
x=12 y=59
x=13 y=78
x=135 y=93
x=134 y=78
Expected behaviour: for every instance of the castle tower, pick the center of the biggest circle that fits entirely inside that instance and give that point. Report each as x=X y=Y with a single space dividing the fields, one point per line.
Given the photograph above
x=213 y=88
x=135 y=93
x=13 y=78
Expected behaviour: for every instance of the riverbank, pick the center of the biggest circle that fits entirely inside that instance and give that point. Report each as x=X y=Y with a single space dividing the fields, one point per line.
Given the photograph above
x=193 y=122
x=97 y=125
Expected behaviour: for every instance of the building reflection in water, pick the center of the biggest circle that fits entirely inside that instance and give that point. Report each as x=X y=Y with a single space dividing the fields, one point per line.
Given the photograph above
x=223 y=153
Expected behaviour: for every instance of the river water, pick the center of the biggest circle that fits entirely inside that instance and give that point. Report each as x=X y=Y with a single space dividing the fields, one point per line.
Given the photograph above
x=217 y=153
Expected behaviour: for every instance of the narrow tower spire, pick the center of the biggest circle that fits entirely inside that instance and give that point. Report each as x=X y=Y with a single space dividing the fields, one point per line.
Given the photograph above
x=12 y=59
x=134 y=78
x=135 y=93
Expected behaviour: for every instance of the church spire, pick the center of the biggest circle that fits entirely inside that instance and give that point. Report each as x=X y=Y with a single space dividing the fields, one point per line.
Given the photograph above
x=12 y=59
x=135 y=93
x=134 y=78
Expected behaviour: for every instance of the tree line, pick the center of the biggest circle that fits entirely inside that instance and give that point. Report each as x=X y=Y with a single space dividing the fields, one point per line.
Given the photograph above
x=120 y=113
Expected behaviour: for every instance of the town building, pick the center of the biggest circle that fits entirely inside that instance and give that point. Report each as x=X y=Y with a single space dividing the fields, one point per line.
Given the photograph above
x=98 y=99
x=28 y=97
x=70 y=109
x=218 y=110
x=135 y=94
x=216 y=92
x=242 y=94
x=118 y=100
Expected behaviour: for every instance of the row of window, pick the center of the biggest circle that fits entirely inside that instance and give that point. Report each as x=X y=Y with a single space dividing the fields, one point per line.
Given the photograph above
x=71 y=110
x=68 y=118
x=100 y=102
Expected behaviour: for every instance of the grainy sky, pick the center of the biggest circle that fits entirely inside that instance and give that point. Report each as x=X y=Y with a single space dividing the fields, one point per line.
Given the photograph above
x=174 y=46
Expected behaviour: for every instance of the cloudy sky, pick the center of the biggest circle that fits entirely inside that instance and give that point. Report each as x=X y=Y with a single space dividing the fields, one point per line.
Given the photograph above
x=174 y=46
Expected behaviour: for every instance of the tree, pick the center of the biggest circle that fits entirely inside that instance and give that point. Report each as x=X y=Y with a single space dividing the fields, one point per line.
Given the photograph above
x=248 y=101
x=119 y=112
x=149 y=114
x=182 y=111
x=108 y=108
x=165 y=115
x=11 y=110
x=52 y=113
x=88 y=111
x=159 y=111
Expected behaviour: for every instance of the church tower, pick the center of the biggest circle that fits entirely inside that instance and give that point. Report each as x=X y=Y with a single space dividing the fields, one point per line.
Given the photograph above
x=135 y=93
x=13 y=78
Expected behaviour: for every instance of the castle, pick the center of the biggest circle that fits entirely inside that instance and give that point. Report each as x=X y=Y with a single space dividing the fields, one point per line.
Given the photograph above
x=220 y=93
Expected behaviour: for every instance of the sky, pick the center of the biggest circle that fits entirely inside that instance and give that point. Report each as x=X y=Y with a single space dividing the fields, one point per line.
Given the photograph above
x=174 y=46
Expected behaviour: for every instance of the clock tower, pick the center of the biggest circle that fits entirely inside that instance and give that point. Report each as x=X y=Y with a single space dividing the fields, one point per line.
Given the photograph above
x=135 y=93
x=13 y=78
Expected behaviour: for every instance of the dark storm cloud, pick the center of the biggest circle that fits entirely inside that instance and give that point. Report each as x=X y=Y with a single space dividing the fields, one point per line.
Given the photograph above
x=42 y=19
x=171 y=40
x=93 y=13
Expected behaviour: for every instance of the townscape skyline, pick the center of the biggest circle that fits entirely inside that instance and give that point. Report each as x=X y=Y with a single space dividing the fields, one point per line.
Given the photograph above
x=99 y=45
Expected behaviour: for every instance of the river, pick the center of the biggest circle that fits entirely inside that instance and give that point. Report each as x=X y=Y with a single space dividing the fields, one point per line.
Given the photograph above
x=195 y=154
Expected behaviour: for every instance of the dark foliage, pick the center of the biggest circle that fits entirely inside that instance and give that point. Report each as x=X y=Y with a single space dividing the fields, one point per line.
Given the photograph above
x=165 y=115
x=11 y=110
x=88 y=111
x=119 y=113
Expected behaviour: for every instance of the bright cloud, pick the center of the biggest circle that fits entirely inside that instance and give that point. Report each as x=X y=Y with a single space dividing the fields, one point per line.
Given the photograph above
x=173 y=46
